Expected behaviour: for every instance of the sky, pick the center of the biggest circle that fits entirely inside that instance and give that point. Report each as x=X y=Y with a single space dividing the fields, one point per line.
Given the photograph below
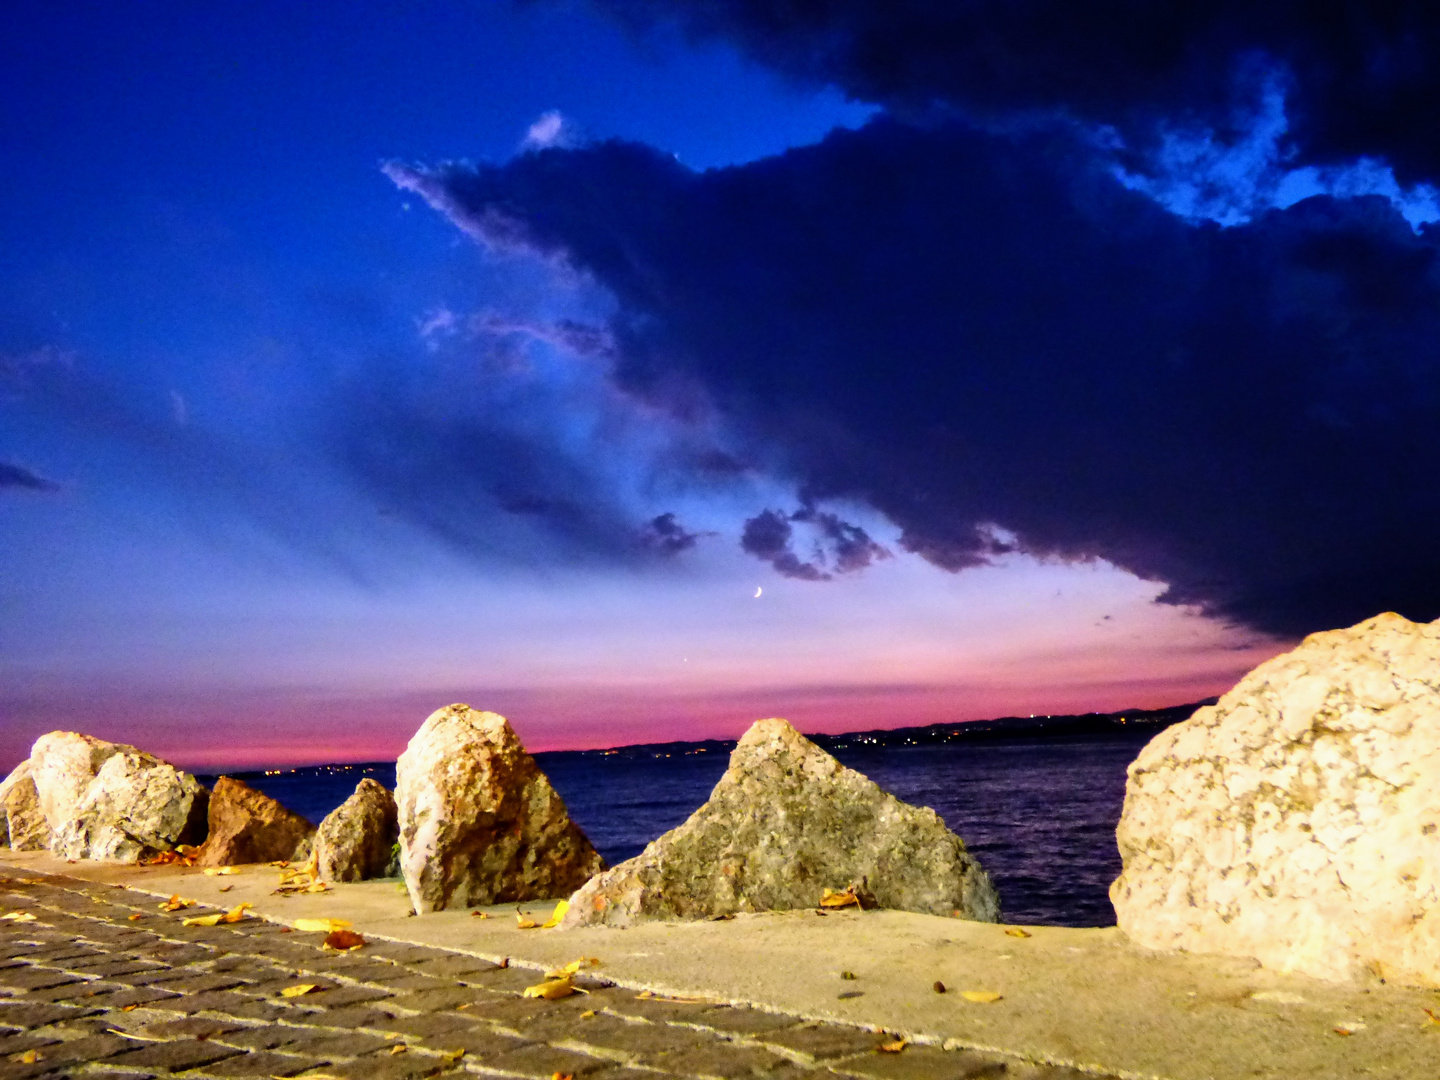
x=638 y=368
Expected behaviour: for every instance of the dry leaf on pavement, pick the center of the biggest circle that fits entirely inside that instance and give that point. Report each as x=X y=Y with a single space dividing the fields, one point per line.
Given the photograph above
x=982 y=997
x=1015 y=931
x=213 y=871
x=343 y=940
x=524 y=922
x=551 y=989
x=559 y=913
x=572 y=967
x=894 y=1046
x=18 y=916
x=322 y=926
x=839 y=899
x=298 y=990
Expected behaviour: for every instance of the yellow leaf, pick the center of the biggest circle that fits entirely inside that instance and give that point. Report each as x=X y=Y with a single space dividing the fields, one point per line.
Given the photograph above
x=587 y=1014
x=296 y=991
x=982 y=997
x=894 y=1046
x=236 y=913
x=317 y=886
x=176 y=904
x=18 y=916
x=453 y=1055
x=551 y=989
x=204 y=920
x=398 y=1048
x=128 y=1008
x=1431 y=1017
x=212 y=871
x=30 y=1057
x=135 y=917
x=322 y=926
x=558 y=1075
x=572 y=967
x=524 y=922
x=1015 y=931
x=832 y=899
x=225 y=888
x=559 y=913
x=478 y=915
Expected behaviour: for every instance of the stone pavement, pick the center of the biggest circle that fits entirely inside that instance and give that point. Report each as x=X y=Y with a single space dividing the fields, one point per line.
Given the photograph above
x=100 y=983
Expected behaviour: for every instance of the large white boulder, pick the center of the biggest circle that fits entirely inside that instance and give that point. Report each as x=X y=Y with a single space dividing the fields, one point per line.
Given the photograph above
x=1297 y=821
x=479 y=821
x=103 y=800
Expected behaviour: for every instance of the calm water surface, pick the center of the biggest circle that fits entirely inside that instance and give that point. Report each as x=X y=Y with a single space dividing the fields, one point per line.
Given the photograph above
x=1039 y=814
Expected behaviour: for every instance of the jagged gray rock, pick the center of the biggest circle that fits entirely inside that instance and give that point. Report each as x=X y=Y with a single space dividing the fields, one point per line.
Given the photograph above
x=1297 y=821
x=786 y=822
x=22 y=821
x=247 y=826
x=104 y=800
x=479 y=821
x=355 y=839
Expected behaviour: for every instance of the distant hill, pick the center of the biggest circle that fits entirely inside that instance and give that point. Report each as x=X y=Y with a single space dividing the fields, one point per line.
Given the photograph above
x=1138 y=724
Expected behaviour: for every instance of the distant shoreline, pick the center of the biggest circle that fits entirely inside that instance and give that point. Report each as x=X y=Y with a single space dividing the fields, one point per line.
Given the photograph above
x=1123 y=723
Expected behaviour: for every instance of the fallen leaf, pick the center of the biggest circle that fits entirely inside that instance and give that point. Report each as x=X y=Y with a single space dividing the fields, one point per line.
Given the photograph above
x=939 y=987
x=849 y=976
x=296 y=991
x=524 y=922
x=587 y=1014
x=203 y=920
x=29 y=1057
x=236 y=913
x=559 y=913
x=894 y=1046
x=343 y=940
x=225 y=888
x=572 y=967
x=287 y=929
x=132 y=1035
x=505 y=961
x=322 y=926
x=558 y=1075
x=981 y=997
x=316 y=887
x=1015 y=931
x=176 y=904
x=214 y=871
x=135 y=917
x=128 y=1008
x=398 y=1048
x=478 y=915
x=454 y=1055
x=18 y=916
x=1431 y=1016
x=833 y=899
x=551 y=989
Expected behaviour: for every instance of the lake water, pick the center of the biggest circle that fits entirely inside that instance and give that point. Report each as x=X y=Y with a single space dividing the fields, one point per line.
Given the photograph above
x=1039 y=813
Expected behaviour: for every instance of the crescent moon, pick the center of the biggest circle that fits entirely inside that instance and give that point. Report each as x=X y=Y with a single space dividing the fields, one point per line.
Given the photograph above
x=758 y=591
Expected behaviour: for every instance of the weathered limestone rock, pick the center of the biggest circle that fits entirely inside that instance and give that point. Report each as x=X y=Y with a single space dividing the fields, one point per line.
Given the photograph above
x=1297 y=821
x=103 y=800
x=479 y=821
x=786 y=822
x=354 y=841
x=22 y=822
x=248 y=827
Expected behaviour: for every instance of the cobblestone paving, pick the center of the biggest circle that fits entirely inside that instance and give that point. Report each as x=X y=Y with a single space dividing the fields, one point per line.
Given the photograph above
x=102 y=984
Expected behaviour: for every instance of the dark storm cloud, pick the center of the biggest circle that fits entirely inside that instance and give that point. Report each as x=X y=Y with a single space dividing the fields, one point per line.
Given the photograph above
x=995 y=345
x=1363 y=76
x=666 y=535
x=19 y=478
x=838 y=546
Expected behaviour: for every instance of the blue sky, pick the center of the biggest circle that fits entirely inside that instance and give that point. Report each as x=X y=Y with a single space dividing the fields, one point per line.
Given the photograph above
x=293 y=458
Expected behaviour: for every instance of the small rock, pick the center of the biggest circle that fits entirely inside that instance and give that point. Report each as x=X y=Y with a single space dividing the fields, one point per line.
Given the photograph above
x=479 y=822
x=354 y=841
x=1297 y=821
x=784 y=823
x=104 y=800
x=21 y=818
x=248 y=827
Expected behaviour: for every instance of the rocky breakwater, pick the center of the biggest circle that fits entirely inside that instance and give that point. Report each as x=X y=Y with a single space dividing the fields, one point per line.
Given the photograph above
x=85 y=798
x=479 y=821
x=247 y=826
x=786 y=822
x=354 y=841
x=1297 y=821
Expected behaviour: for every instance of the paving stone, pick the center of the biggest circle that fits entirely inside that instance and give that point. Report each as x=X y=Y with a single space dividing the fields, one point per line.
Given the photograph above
x=134 y=995
x=734 y=1020
x=156 y=976
x=263 y=1063
x=397 y=1067
x=106 y=966
x=403 y=953
x=18 y=1044
x=226 y=1001
x=923 y=1063
x=90 y=1048
x=200 y=982
x=659 y=1009
x=438 y=1000
x=427 y=1025
x=514 y=1013
x=479 y=1043
x=620 y=1040
x=351 y=1017
x=719 y=1059
x=75 y=992
x=809 y=1043
x=342 y=1047
x=36 y=978
x=408 y=980
x=267 y=1037
x=1048 y=1072
x=175 y=1056
x=345 y=996
x=508 y=979
x=194 y=1027
x=543 y=1062
x=454 y=966
x=243 y=965
x=252 y=1009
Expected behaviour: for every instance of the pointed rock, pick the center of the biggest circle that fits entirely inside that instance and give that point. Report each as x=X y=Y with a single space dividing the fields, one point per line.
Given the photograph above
x=1297 y=821
x=479 y=821
x=22 y=823
x=354 y=841
x=249 y=827
x=104 y=800
x=786 y=822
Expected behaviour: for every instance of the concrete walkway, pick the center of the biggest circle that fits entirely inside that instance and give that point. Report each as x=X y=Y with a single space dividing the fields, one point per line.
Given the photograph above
x=1070 y=999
